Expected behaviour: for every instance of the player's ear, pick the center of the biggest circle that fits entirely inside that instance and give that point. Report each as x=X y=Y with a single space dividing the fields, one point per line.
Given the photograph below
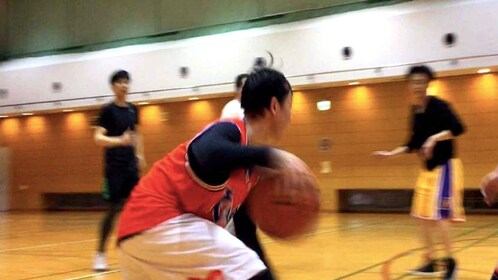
x=274 y=106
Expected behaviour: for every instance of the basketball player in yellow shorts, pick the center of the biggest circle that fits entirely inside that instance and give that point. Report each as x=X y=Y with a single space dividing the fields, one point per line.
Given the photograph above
x=438 y=195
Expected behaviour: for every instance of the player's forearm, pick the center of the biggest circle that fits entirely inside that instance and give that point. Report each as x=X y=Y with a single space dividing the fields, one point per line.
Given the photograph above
x=140 y=146
x=442 y=136
x=399 y=150
x=108 y=141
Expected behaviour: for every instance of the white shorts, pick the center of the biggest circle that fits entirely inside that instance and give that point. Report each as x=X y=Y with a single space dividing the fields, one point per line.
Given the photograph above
x=187 y=246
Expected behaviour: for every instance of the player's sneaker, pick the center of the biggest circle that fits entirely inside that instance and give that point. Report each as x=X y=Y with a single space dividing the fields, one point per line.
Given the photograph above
x=99 y=262
x=428 y=269
x=451 y=269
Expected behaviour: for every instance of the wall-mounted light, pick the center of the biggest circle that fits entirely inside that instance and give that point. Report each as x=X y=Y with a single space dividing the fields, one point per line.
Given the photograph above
x=67 y=110
x=193 y=98
x=3 y=116
x=143 y=103
x=27 y=114
x=484 y=71
x=323 y=105
x=354 y=83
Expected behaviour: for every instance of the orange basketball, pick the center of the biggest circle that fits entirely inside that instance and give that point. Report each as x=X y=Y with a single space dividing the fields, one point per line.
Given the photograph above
x=489 y=188
x=285 y=212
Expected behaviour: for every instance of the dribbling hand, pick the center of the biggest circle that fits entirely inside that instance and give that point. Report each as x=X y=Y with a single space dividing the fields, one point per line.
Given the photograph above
x=292 y=174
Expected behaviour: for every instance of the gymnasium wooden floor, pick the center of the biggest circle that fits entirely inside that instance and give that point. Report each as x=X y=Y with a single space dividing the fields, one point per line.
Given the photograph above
x=60 y=245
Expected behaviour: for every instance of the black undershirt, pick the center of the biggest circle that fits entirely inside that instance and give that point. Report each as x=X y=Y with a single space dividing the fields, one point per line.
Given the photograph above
x=217 y=152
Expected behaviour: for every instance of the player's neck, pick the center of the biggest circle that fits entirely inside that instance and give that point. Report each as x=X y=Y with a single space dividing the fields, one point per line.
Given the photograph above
x=423 y=104
x=426 y=101
x=121 y=102
x=257 y=132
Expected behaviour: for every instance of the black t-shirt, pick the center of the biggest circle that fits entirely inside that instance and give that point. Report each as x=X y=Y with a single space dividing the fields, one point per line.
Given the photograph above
x=437 y=117
x=116 y=120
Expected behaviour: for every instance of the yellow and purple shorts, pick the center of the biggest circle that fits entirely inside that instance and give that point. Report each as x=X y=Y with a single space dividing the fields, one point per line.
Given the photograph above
x=439 y=193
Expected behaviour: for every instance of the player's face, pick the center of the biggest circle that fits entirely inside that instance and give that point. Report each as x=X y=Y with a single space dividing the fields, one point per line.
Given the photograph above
x=283 y=116
x=121 y=87
x=417 y=85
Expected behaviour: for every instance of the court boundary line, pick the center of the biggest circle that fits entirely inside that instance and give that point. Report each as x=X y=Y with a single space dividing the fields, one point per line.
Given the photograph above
x=477 y=241
x=47 y=245
x=95 y=274
x=76 y=270
x=414 y=249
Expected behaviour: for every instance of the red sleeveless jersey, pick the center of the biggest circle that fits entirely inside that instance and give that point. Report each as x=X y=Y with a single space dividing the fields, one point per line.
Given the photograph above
x=171 y=189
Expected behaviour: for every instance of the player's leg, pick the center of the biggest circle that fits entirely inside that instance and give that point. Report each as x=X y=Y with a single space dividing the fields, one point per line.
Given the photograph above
x=424 y=210
x=428 y=266
x=450 y=208
x=495 y=273
x=264 y=275
x=121 y=182
x=107 y=224
x=245 y=230
x=132 y=176
x=112 y=185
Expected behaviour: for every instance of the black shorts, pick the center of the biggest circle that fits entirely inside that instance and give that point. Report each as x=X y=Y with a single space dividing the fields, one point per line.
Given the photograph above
x=118 y=183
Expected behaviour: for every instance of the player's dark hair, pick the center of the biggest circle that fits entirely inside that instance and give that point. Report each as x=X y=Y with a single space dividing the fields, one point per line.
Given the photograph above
x=118 y=75
x=239 y=81
x=421 y=69
x=260 y=87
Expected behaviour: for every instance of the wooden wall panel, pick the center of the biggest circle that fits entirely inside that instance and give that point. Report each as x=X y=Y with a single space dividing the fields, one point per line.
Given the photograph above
x=56 y=153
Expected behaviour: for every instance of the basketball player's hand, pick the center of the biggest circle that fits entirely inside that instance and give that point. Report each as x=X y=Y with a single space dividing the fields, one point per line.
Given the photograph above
x=283 y=161
x=487 y=190
x=382 y=154
x=127 y=138
x=428 y=148
x=485 y=180
x=142 y=163
x=292 y=174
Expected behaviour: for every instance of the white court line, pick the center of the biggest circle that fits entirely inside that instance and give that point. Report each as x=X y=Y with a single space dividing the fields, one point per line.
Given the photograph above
x=47 y=245
x=325 y=231
x=94 y=274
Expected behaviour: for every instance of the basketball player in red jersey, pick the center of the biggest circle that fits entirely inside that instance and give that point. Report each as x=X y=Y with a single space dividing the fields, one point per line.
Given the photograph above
x=490 y=192
x=241 y=225
x=172 y=224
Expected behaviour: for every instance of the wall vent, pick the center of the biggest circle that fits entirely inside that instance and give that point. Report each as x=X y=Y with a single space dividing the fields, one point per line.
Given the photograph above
x=4 y=93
